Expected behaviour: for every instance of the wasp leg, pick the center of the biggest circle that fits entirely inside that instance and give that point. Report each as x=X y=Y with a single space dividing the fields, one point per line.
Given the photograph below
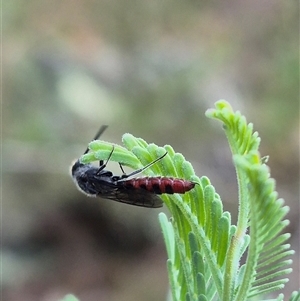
x=124 y=175
x=145 y=167
x=102 y=166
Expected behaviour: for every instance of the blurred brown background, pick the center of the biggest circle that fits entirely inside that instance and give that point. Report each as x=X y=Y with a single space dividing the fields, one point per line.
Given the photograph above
x=150 y=68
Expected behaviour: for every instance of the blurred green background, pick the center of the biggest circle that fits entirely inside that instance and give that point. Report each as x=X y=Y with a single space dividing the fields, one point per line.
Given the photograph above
x=150 y=68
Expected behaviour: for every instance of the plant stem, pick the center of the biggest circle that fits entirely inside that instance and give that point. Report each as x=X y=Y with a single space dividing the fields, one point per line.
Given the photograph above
x=232 y=261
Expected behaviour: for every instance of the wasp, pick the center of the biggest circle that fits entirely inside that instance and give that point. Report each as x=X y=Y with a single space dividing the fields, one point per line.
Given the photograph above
x=99 y=182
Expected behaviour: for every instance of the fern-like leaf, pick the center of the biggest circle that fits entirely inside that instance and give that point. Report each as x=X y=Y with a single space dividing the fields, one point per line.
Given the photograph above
x=198 y=214
x=295 y=296
x=265 y=256
x=204 y=249
x=259 y=209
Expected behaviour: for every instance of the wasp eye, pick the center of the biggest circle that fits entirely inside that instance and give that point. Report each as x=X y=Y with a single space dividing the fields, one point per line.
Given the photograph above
x=83 y=178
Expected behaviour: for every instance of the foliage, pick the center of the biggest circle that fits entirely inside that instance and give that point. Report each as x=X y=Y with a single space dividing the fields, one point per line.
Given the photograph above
x=69 y=297
x=204 y=248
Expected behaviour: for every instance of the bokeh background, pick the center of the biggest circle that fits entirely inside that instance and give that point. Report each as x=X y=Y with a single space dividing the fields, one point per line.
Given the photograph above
x=150 y=68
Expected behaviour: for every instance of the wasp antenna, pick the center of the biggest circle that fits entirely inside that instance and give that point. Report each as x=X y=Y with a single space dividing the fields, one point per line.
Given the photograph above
x=99 y=133
x=86 y=151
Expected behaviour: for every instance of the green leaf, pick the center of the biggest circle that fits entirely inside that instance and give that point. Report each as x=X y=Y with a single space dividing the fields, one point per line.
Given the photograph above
x=204 y=249
x=266 y=224
x=100 y=150
x=256 y=192
x=295 y=296
x=69 y=297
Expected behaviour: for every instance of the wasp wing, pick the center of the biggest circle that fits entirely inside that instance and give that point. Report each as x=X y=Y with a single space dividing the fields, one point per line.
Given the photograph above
x=137 y=197
x=129 y=195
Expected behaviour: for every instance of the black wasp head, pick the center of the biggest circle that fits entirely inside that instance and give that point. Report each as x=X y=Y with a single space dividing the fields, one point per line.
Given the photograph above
x=84 y=174
x=81 y=174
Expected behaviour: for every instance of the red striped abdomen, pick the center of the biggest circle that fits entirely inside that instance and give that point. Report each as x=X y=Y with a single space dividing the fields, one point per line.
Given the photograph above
x=160 y=185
